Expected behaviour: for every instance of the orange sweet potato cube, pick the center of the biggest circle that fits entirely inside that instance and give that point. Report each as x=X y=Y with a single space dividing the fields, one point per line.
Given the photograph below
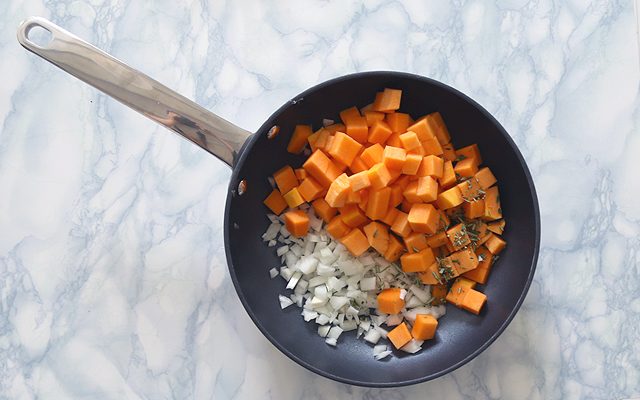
x=285 y=178
x=466 y=168
x=415 y=242
x=344 y=148
x=358 y=165
x=379 y=132
x=323 y=209
x=401 y=224
x=394 y=157
x=417 y=262
x=449 y=198
x=411 y=193
x=372 y=155
x=394 y=140
x=492 y=207
x=395 y=249
x=473 y=301
x=360 y=181
x=353 y=216
x=436 y=125
x=432 y=146
x=485 y=178
x=320 y=167
x=356 y=242
x=471 y=151
x=473 y=209
x=448 y=178
x=495 y=244
x=458 y=236
x=337 y=228
x=427 y=189
x=431 y=166
x=358 y=129
x=399 y=335
x=398 y=122
x=293 y=198
x=389 y=301
x=437 y=240
x=296 y=222
x=349 y=115
x=378 y=203
x=411 y=164
x=424 y=328
x=379 y=176
x=396 y=195
x=275 y=202
x=423 y=218
x=300 y=174
x=391 y=214
x=310 y=189
x=338 y=191
x=410 y=140
x=421 y=129
x=373 y=116
x=388 y=101
x=299 y=138
x=378 y=236
x=448 y=152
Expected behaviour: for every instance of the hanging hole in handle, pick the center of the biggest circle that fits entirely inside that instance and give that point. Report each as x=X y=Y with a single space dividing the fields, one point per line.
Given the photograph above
x=39 y=35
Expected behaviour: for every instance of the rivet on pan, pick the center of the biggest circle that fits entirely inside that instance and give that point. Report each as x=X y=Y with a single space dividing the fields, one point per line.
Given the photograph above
x=236 y=226
x=242 y=187
x=273 y=132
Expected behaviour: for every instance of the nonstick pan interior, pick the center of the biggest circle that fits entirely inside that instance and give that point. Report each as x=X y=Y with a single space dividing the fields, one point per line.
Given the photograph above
x=461 y=335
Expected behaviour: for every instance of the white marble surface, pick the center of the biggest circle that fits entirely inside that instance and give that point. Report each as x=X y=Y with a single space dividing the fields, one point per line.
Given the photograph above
x=113 y=281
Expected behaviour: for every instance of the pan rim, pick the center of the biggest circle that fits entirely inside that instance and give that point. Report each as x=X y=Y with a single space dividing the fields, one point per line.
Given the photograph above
x=243 y=154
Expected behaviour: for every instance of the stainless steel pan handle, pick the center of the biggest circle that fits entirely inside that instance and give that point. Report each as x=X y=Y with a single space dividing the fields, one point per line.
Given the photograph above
x=135 y=90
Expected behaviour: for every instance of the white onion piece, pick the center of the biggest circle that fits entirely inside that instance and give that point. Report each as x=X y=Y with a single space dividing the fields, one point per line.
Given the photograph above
x=349 y=325
x=382 y=355
x=284 y=301
x=309 y=315
x=414 y=301
x=323 y=330
x=393 y=320
x=368 y=284
x=379 y=348
x=381 y=331
x=331 y=341
x=337 y=302
x=282 y=250
x=301 y=287
x=323 y=319
x=293 y=281
x=273 y=272
x=372 y=336
x=422 y=294
x=316 y=281
x=325 y=270
x=307 y=264
x=335 y=332
x=413 y=346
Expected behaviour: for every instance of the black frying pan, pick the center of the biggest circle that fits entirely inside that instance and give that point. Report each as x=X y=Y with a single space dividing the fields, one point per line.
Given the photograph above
x=461 y=336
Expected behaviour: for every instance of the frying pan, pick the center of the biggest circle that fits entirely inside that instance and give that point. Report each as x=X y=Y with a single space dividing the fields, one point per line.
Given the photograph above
x=461 y=336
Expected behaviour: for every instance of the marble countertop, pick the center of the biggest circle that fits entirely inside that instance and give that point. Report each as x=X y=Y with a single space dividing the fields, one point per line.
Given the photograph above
x=113 y=279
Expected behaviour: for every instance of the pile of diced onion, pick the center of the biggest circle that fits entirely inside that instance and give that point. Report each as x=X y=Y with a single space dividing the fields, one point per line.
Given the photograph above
x=338 y=291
